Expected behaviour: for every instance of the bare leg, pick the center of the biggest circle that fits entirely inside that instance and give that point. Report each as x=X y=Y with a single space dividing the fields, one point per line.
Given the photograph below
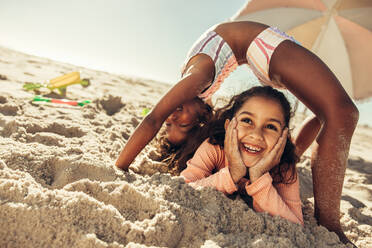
x=307 y=77
x=328 y=170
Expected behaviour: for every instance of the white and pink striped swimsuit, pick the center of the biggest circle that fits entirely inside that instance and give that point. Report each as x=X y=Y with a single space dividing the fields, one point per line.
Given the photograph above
x=258 y=56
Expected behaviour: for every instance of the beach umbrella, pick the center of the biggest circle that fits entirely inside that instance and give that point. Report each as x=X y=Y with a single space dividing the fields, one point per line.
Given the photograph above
x=338 y=31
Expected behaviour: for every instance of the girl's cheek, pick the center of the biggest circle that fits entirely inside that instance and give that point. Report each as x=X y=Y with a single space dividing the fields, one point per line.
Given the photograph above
x=271 y=139
x=241 y=130
x=275 y=140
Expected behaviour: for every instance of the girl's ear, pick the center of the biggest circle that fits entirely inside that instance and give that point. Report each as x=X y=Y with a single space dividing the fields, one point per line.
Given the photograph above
x=227 y=121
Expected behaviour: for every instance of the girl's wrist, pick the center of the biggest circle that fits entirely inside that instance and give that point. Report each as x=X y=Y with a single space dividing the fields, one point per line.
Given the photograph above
x=254 y=174
x=237 y=174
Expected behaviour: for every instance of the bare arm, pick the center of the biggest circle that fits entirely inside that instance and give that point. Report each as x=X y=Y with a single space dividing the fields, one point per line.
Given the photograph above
x=307 y=134
x=197 y=77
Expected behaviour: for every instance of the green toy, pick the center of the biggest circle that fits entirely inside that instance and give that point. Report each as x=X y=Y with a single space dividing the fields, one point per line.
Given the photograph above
x=62 y=101
x=145 y=111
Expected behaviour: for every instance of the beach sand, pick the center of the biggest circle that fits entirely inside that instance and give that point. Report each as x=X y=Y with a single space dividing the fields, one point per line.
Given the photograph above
x=59 y=186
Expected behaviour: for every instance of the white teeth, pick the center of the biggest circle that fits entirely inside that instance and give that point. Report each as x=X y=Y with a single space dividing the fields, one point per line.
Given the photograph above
x=252 y=148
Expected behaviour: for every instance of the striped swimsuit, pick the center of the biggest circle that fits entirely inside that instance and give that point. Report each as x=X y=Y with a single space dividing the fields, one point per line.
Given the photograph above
x=258 y=56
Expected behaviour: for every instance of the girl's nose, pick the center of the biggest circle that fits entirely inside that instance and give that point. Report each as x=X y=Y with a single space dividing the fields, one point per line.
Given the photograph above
x=256 y=134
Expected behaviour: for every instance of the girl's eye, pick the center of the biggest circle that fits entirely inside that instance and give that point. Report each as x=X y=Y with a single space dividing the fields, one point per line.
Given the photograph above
x=179 y=108
x=272 y=127
x=246 y=120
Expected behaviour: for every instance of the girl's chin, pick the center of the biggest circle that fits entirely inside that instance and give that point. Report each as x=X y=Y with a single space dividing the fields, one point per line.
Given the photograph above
x=249 y=162
x=250 y=158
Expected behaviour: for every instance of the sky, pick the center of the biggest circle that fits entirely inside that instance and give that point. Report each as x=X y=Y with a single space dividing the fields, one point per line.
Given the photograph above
x=144 y=38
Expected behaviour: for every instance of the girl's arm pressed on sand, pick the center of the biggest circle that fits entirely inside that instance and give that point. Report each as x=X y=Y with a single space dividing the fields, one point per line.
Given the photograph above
x=207 y=159
x=193 y=82
x=282 y=199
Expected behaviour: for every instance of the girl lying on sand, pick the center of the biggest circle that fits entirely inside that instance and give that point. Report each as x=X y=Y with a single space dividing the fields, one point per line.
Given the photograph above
x=249 y=150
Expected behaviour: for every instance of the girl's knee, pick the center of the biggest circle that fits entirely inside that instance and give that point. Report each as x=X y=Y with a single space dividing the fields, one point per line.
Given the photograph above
x=349 y=114
x=343 y=113
x=343 y=120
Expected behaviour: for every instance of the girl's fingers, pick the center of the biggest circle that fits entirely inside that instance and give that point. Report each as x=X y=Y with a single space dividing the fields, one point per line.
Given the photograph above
x=234 y=136
x=229 y=138
x=280 y=145
x=284 y=139
x=231 y=143
x=235 y=123
x=227 y=133
x=230 y=135
x=231 y=131
x=273 y=157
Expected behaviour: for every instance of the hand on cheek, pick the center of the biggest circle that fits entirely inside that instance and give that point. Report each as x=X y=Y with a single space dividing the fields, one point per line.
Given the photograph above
x=270 y=160
x=236 y=165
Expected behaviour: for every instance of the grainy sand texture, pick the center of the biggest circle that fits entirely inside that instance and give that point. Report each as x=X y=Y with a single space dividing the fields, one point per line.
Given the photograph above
x=59 y=187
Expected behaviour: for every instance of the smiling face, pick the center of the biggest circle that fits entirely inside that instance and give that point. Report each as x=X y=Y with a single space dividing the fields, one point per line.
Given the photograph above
x=181 y=121
x=260 y=124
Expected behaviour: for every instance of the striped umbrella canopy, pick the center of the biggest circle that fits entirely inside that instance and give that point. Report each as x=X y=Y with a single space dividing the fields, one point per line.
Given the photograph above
x=338 y=31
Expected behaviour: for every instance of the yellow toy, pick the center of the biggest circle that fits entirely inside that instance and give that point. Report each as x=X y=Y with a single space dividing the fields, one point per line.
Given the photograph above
x=59 y=83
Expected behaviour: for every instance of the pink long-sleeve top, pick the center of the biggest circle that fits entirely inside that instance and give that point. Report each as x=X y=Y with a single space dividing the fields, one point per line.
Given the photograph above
x=279 y=199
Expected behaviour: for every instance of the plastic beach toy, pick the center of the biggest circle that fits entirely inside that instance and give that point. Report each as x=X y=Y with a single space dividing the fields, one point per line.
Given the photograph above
x=62 y=101
x=59 y=83
x=145 y=111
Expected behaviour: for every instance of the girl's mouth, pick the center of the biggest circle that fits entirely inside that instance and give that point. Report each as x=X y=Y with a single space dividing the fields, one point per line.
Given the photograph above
x=252 y=149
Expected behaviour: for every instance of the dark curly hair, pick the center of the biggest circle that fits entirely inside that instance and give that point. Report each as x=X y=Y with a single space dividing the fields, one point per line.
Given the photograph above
x=176 y=156
x=216 y=129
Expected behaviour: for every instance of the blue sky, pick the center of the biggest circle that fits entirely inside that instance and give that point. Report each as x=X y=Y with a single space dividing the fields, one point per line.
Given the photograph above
x=149 y=38
x=145 y=38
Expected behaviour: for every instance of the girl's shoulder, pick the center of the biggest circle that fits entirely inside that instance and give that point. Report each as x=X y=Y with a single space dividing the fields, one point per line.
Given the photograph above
x=215 y=151
x=210 y=149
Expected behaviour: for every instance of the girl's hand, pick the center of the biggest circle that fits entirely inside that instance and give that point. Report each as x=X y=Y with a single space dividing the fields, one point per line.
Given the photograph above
x=271 y=159
x=231 y=148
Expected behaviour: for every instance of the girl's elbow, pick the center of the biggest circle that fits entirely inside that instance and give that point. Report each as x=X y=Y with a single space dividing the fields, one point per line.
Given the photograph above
x=302 y=223
x=295 y=219
x=299 y=220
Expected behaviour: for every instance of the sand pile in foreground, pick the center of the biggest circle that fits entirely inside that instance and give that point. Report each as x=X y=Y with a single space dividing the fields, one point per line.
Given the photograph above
x=59 y=188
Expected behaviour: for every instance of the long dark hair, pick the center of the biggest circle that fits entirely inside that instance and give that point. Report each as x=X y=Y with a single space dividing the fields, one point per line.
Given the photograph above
x=216 y=129
x=176 y=156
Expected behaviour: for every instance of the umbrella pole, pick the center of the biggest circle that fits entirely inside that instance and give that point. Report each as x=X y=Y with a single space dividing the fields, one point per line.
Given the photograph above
x=328 y=14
